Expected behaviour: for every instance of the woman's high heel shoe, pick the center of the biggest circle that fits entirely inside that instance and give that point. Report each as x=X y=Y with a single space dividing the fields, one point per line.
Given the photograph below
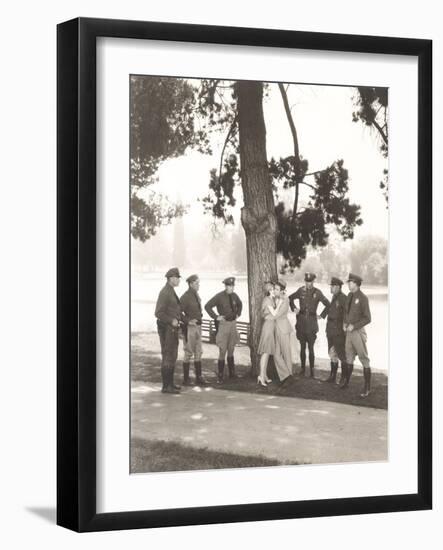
x=261 y=382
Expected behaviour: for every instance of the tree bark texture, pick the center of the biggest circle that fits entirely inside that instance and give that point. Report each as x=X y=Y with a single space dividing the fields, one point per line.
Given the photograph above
x=258 y=213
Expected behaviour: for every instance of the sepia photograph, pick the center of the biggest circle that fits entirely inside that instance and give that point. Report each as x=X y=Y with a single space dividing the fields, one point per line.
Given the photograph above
x=259 y=290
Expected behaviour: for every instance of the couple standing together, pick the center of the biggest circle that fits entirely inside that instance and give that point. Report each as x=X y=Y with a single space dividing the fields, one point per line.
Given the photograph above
x=275 y=337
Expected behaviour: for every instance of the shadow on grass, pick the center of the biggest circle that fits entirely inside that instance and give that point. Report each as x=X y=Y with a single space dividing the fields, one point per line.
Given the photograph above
x=146 y=368
x=167 y=456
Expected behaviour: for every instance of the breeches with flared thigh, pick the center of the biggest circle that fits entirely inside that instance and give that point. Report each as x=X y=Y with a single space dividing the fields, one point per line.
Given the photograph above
x=227 y=338
x=336 y=348
x=193 y=344
x=356 y=346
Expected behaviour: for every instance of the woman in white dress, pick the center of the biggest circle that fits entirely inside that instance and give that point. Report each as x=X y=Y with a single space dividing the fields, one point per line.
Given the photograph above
x=282 y=335
x=266 y=346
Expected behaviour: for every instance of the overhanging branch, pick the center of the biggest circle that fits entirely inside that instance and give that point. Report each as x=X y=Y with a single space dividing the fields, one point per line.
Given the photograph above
x=228 y=136
x=284 y=96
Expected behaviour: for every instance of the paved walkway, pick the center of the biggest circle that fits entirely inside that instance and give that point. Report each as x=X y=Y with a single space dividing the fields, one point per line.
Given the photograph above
x=284 y=428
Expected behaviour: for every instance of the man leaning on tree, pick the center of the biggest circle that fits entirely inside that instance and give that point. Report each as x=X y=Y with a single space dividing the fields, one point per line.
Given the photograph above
x=357 y=316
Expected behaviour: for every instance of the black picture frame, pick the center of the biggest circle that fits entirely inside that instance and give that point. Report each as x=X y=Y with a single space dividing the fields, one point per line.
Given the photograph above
x=76 y=273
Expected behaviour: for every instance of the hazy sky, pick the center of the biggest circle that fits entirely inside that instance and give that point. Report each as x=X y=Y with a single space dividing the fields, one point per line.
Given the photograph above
x=323 y=118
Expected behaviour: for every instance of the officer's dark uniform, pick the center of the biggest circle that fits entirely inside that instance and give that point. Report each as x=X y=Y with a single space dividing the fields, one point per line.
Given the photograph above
x=357 y=314
x=192 y=310
x=230 y=307
x=306 y=327
x=167 y=309
x=335 y=332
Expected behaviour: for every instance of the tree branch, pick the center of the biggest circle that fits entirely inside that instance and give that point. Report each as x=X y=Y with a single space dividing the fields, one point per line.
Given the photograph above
x=316 y=172
x=234 y=122
x=296 y=148
x=380 y=131
x=308 y=184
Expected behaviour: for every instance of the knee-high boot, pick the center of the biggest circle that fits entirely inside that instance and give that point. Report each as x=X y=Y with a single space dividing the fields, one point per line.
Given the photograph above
x=367 y=385
x=350 y=370
x=342 y=374
x=220 y=371
x=311 y=361
x=165 y=376
x=168 y=381
x=231 y=367
x=186 y=378
x=199 y=380
x=303 y=357
x=344 y=381
x=333 y=374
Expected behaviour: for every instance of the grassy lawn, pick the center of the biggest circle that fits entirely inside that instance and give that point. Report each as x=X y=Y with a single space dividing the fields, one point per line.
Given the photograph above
x=167 y=456
x=145 y=367
x=304 y=387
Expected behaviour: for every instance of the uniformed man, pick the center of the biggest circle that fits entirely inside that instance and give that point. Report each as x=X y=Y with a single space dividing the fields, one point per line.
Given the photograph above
x=334 y=330
x=169 y=318
x=306 y=327
x=357 y=316
x=192 y=332
x=229 y=308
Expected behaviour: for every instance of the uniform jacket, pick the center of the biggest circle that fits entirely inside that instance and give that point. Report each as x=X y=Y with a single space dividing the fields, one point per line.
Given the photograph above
x=228 y=305
x=336 y=315
x=191 y=306
x=308 y=300
x=168 y=305
x=357 y=310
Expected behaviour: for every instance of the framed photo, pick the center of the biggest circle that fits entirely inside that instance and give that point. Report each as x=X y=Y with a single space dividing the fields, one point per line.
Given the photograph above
x=244 y=274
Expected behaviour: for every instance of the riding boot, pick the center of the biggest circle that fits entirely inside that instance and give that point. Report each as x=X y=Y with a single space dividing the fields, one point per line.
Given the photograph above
x=367 y=385
x=165 y=377
x=302 y=358
x=199 y=380
x=231 y=367
x=350 y=369
x=221 y=368
x=311 y=364
x=344 y=381
x=342 y=374
x=186 y=377
x=168 y=384
x=171 y=379
x=333 y=375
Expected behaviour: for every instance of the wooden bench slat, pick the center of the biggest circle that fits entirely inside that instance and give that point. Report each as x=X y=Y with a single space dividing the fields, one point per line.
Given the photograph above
x=208 y=331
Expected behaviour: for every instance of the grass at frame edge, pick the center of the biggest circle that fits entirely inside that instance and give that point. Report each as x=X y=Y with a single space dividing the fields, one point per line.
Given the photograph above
x=169 y=456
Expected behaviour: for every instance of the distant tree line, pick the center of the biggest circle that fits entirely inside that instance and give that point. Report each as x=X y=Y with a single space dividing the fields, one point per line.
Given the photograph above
x=367 y=256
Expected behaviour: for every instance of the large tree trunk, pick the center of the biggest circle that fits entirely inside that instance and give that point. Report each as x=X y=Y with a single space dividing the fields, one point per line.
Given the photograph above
x=258 y=214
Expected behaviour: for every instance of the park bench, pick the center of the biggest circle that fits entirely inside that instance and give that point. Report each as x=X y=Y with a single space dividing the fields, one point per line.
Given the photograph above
x=208 y=331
